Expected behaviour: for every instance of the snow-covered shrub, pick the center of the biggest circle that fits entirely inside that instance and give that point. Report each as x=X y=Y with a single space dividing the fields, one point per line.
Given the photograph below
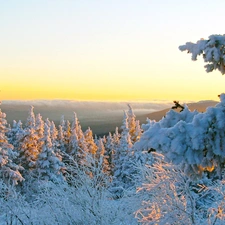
x=171 y=197
x=44 y=202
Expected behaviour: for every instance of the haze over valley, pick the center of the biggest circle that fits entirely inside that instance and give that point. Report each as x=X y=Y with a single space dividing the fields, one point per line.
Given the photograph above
x=101 y=117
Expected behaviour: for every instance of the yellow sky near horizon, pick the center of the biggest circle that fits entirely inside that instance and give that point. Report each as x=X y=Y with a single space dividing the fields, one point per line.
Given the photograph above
x=107 y=51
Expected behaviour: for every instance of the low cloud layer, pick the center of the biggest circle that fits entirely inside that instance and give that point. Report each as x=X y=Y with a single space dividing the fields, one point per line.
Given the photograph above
x=150 y=106
x=102 y=117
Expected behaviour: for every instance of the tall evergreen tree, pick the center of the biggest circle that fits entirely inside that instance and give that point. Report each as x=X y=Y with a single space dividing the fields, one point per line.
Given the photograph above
x=30 y=122
x=15 y=134
x=122 y=163
x=74 y=144
x=76 y=136
x=67 y=134
x=133 y=125
x=54 y=134
x=138 y=131
x=102 y=157
x=76 y=126
x=61 y=139
x=28 y=147
x=39 y=129
x=116 y=137
x=82 y=153
x=48 y=165
x=110 y=150
x=64 y=134
x=48 y=122
x=89 y=140
x=131 y=120
x=9 y=171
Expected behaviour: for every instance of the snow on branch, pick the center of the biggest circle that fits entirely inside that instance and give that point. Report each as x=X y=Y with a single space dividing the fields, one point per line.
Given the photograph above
x=212 y=50
x=194 y=140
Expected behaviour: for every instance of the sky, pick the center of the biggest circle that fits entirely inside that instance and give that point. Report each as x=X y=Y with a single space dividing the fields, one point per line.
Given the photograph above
x=107 y=50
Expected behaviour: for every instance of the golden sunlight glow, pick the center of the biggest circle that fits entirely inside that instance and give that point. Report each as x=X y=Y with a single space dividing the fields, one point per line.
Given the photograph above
x=45 y=84
x=103 y=57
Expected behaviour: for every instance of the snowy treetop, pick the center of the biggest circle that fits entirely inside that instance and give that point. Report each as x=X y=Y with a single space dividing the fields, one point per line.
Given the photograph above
x=194 y=140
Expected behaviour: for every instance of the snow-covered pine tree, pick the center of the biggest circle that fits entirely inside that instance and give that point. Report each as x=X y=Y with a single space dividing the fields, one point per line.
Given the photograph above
x=30 y=122
x=110 y=150
x=39 y=129
x=104 y=140
x=82 y=153
x=102 y=158
x=125 y=140
x=62 y=136
x=61 y=139
x=138 y=131
x=76 y=136
x=74 y=143
x=122 y=165
x=89 y=140
x=116 y=136
x=28 y=149
x=28 y=146
x=76 y=125
x=39 y=125
x=11 y=131
x=76 y=152
x=48 y=165
x=86 y=152
x=116 y=145
x=67 y=134
x=97 y=167
x=15 y=134
x=133 y=125
x=62 y=122
x=96 y=139
x=54 y=138
x=9 y=171
x=66 y=130
x=131 y=120
x=48 y=122
x=86 y=155
x=53 y=134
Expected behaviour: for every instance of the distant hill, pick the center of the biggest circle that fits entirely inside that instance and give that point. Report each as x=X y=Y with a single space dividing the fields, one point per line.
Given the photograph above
x=102 y=117
x=199 y=106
